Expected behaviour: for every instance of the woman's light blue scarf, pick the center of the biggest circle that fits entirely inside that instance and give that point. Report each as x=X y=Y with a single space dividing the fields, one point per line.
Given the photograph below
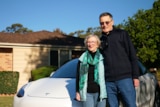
x=88 y=59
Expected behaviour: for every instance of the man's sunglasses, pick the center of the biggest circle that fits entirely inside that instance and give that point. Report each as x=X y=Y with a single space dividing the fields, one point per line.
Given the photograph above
x=107 y=22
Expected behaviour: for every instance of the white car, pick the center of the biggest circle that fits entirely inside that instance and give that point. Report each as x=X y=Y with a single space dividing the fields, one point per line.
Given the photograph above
x=58 y=90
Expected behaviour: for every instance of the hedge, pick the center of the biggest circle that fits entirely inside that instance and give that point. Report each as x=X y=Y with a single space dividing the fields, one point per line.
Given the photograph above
x=42 y=72
x=8 y=82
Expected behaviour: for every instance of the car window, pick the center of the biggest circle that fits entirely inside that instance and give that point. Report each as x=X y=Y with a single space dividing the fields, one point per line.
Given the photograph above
x=68 y=70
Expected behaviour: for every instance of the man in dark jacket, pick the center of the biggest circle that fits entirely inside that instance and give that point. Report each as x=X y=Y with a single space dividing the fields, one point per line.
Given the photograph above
x=121 y=68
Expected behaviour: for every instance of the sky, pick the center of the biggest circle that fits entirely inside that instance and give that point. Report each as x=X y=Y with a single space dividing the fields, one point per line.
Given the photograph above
x=66 y=15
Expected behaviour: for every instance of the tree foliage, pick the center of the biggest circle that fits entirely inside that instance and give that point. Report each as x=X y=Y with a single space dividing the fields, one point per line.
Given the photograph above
x=57 y=30
x=144 y=29
x=83 y=34
x=17 y=28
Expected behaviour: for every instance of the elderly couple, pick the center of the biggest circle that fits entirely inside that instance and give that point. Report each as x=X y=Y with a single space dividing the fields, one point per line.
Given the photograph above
x=107 y=68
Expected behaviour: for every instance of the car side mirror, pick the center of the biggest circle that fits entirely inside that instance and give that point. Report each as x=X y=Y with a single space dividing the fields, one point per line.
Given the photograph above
x=52 y=74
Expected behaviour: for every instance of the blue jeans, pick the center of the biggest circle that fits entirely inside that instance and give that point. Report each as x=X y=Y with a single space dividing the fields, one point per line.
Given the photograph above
x=92 y=101
x=125 y=89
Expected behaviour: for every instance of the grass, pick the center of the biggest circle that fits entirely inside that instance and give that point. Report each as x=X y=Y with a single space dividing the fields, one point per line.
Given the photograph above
x=6 y=101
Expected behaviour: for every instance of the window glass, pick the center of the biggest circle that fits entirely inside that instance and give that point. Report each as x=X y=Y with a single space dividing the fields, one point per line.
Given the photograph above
x=54 y=58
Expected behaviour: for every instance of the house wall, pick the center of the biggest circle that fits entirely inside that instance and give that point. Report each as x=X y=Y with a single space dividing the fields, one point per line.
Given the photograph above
x=25 y=59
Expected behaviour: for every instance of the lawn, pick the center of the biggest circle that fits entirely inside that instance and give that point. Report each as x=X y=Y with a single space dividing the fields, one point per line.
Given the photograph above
x=6 y=101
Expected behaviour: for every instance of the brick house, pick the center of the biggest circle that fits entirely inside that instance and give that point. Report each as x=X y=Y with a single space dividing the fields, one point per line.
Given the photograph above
x=25 y=52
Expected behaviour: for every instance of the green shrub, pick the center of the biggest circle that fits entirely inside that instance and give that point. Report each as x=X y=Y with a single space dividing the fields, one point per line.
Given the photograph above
x=42 y=72
x=8 y=82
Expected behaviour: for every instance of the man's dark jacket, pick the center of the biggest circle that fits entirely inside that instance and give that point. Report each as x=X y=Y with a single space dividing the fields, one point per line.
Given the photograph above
x=120 y=58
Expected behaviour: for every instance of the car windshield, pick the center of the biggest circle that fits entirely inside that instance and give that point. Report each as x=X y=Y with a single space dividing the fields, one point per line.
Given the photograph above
x=68 y=70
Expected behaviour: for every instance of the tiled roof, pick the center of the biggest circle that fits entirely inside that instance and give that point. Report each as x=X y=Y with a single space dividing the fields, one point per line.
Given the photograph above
x=41 y=37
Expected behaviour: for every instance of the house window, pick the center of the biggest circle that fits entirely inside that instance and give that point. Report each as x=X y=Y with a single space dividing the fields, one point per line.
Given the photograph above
x=6 y=59
x=54 y=58
x=64 y=57
x=76 y=54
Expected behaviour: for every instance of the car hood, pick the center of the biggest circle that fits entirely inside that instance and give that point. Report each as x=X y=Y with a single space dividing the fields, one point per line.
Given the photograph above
x=52 y=88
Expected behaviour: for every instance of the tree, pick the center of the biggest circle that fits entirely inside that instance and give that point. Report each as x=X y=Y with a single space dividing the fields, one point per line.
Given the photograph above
x=17 y=28
x=57 y=30
x=83 y=34
x=144 y=29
